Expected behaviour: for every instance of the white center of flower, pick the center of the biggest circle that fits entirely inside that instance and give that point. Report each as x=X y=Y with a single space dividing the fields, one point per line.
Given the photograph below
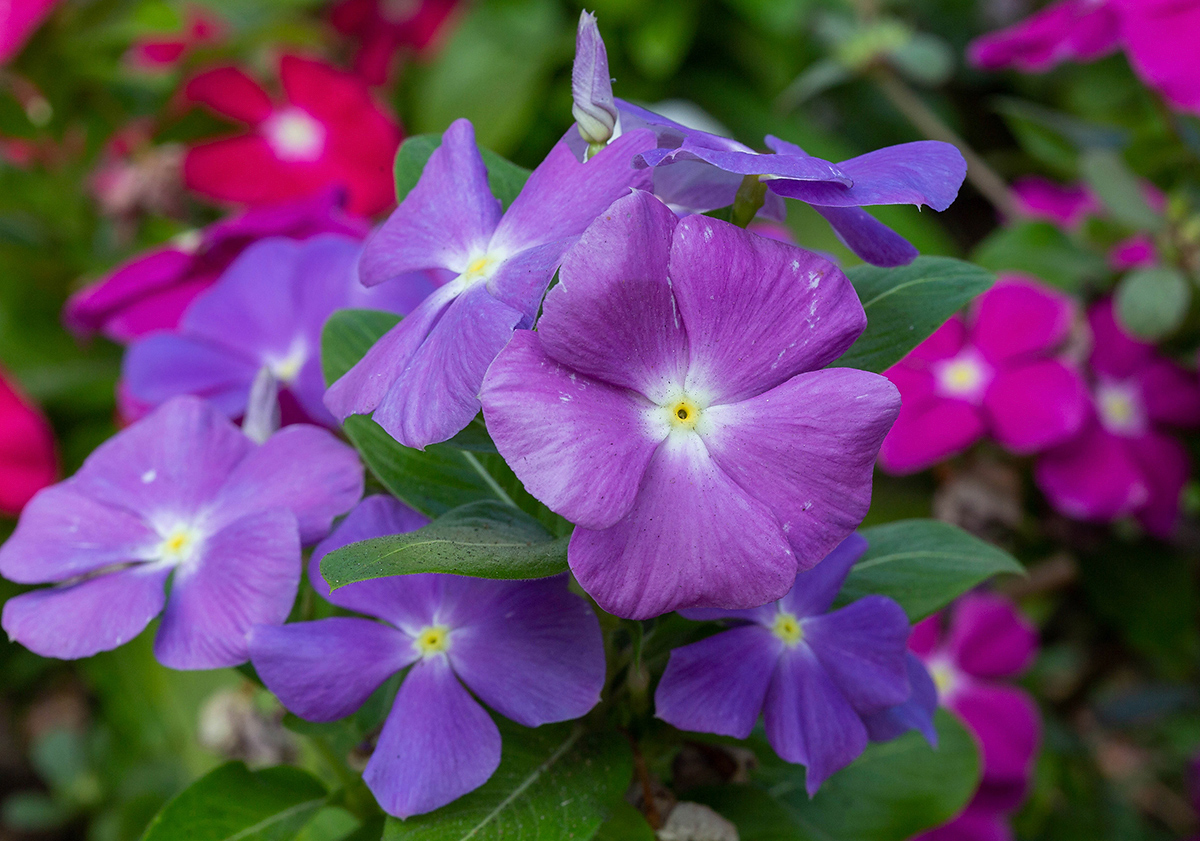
x=965 y=376
x=179 y=544
x=432 y=640
x=295 y=135
x=945 y=677
x=286 y=368
x=398 y=11
x=480 y=268
x=788 y=629
x=1120 y=408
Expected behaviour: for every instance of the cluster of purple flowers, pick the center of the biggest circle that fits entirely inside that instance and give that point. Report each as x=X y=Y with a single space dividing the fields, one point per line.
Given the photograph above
x=674 y=403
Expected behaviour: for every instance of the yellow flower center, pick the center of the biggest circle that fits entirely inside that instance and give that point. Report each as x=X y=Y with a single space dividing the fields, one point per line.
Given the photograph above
x=178 y=545
x=788 y=629
x=435 y=639
x=480 y=267
x=1119 y=408
x=963 y=376
x=944 y=678
x=684 y=413
x=287 y=368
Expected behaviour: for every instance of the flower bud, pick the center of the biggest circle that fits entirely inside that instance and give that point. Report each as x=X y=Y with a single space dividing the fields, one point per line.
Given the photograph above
x=591 y=87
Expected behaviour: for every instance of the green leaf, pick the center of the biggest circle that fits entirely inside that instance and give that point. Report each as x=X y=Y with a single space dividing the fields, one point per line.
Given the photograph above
x=1153 y=303
x=1119 y=188
x=924 y=565
x=555 y=782
x=347 y=336
x=626 y=824
x=890 y=793
x=233 y=802
x=483 y=539
x=1042 y=250
x=904 y=305
x=505 y=178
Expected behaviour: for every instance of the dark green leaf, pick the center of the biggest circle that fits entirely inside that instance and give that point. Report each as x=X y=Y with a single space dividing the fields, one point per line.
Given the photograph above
x=555 y=782
x=233 y=802
x=924 y=565
x=1042 y=250
x=483 y=539
x=1153 y=303
x=904 y=305
x=347 y=336
x=626 y=824
x=505 y=178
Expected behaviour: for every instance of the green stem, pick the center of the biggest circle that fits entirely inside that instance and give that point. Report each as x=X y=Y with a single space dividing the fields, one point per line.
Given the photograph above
x=751 y=194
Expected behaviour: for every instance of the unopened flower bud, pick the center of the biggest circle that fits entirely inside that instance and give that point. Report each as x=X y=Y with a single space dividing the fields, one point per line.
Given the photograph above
x=591 y=87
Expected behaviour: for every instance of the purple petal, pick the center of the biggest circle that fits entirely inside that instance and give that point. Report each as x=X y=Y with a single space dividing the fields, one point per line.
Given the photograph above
x=563 y=196
x=1115 y=354
x=325 y=670
x=521 y=280
x=612 y=315
x=916 y=713
x=816 y=588
x=1166 y=467
x=437 y=744
x=718 y=685
x=444 y=221
x=862 y=647
x=809 y=721
x=867 y=237
x=989 y=638
x=82 y=619
x=756 y=311
x=579 y=445
x=302 y=469
x=1171 y=393
x=806 y=451
x=694 y=538
x=437 y=394
x=63 y=533
x=533 y=653
x=591 y=86
x=695 y=186
x=244 y=575
x=801 y=166
x=375 y=516
x=164 y=365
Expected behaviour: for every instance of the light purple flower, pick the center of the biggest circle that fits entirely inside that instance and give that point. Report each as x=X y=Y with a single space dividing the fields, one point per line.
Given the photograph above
x=182 y=494
x=813 y=675
x=672 y=405
x=422 y=378
x=530 y=650
x=591 y=87
x=266 y=311
x=696 y=172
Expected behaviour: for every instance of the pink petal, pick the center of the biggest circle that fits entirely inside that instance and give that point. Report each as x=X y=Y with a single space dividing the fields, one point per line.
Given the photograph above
x=1036 y=406
x=1094 y=477
x=1115 y=353
x=230 y=92
x=1166 y=467
x=930 y=433
x=1019 y=317
x=990 y=638
x=1160 y=40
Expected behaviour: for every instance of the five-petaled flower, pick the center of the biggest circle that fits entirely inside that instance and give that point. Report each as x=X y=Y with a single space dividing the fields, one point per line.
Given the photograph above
x=27 y=459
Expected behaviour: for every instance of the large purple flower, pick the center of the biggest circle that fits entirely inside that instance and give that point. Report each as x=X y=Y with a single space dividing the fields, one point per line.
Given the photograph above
x=182 y=493
x=266 y=311
x=422 y=379
x=813 y=675
x=672 y=405
x=530 y=650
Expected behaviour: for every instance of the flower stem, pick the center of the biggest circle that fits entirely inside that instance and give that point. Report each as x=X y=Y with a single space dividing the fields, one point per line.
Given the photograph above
x=751 y=195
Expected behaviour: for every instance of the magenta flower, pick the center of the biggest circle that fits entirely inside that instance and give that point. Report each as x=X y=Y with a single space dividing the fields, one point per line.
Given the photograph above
x=1066 y=30
x=1125 y=459
x=422 y=379
x=383 y=28
x=530 y=650
x=1066 y=205
x=672 y=405
x=811 y=673
x=152 y=291
x=987 y=642
x=996 y=372
x=1139 y=251
x=18 y=20
x=163 y=51
x=266 y=311
x=1160 y=41
x=181 y=495
x=327 y=132
x=27 y=459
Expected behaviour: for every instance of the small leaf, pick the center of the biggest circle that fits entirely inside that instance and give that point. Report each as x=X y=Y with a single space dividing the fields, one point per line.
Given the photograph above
x=1042 y=250
x=626 y=824
x=347 y=336
x=233 y=802
x=1119 y=188
x=553 y=782
x=905 y=305
x=1153 y=303
x=483 y=539
x=924 y=565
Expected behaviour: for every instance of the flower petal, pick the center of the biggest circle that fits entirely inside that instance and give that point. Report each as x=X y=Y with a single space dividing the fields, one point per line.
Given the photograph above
x=867 y=237
x=756 y=311
x=1032 y=407
x=718 y=685
x=806 y=450
x=325 y=670
x=862 y=647
x=916 y=713
x=1018 y=316
x=246 y=574
x=1005 y=720
x=694 y=538
x=246 y=169
x=82 y=619
x=929 y=433
x=1093 y=477
x=1165 y=466
x=532 y=650
x=816 y=588
x=163 y=365
x=230 y=92
x=437 y=744
x=1171 y=394
x=989 y=638
x=1115 y=353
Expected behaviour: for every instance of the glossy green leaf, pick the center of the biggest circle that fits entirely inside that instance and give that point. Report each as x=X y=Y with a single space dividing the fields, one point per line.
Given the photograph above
x=347 y=336
x=233 y=802
x=1153 y=303
x=556 y=782
x=505 y=178
x=625 y=824
x=1042 y=250
x=484 y=539
x=904 y=305
x=924 y=565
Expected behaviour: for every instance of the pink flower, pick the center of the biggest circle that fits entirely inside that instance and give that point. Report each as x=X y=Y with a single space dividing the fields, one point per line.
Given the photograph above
x=1125 y=460
x=1066 y=205
x=995 y=372
x=986 y=642
x=162 y=52
x=327 y=131
x=383 y=27
x=1134 y=253
x=150 y=292
x=18 y=20
x=1160 y=40
x=27 y=460
x=1068 y=30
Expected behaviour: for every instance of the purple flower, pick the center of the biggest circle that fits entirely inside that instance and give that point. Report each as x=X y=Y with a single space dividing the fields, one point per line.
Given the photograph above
x=422 y=378
x=530 y=650
x=594 y=110
x=182 y=494
x=696 y=172
x=813 y=675
x=266 y=311
x=672 y=405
